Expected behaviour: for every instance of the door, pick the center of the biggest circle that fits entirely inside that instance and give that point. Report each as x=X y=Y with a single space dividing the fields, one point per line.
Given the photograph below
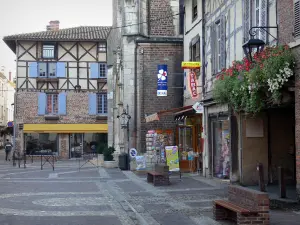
x=76 y=145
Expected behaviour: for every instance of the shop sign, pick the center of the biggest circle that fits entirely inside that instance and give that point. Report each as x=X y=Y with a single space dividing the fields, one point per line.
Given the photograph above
x=198 y=107
x=193 y=84
x=162 y=80
x=140 y=162
x=172 y=158
x=190 y=65
x=152 y=117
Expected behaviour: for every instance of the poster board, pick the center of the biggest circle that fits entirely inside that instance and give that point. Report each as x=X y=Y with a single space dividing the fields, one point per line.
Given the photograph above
x=172 y=158
x=140 y=163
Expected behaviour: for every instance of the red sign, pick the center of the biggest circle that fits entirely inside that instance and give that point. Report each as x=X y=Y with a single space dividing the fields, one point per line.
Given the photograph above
x=193 y=84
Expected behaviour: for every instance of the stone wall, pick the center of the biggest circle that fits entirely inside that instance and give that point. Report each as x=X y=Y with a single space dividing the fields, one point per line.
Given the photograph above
x=149 y=103
x=285 y=12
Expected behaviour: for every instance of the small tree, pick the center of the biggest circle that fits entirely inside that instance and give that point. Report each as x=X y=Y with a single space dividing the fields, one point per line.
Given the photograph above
x=101 y=147
x=108 y=153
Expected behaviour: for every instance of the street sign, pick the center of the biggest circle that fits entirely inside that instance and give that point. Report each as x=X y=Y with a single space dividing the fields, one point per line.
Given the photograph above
x=198 y=107
x=133 y=152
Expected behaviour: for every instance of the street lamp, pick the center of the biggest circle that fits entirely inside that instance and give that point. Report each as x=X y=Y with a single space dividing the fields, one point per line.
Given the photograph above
x=254 y=44
x=125 y=117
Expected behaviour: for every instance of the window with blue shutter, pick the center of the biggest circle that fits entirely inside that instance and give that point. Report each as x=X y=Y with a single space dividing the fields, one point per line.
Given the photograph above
x=102 y=70
x=47 y=70
x=61 y=69
x=33 y=69
x=92 y=104
x=42 y=101
x=52 y=104
x=94 y=70
x=102 y=103
x=62 y=103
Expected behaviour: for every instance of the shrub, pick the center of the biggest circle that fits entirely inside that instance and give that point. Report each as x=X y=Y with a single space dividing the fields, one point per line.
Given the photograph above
x=108 y=153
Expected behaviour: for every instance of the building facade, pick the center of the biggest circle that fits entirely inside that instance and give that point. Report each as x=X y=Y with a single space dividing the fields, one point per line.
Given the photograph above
x=147 y=36
x=288 y=14
x=61 y=91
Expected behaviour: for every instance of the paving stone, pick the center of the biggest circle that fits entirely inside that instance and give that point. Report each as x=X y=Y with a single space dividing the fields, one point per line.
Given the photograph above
x=174 y=219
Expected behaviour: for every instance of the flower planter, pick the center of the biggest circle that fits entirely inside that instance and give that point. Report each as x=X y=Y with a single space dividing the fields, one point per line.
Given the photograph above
x=100 y=159
x=110 y=164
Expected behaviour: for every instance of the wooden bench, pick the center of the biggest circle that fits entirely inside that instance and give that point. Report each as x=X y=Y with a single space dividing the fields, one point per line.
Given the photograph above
x=158 y=179
x=244 y=206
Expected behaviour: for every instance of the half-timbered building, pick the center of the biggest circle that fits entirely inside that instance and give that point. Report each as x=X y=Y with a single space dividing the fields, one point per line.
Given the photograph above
x=61 y=94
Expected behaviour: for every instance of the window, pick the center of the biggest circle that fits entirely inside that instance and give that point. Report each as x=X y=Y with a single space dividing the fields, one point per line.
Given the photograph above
x=52 y=104
x=297 y=19
x=48 y=51
x=98 y=70
x=195 y=9
x=47 y=69
x=218 y=46
x=102 y=103
x=181 y=17
x=256 y=16
x=102 y=47
x=196 y=52
x=102 y=70
x=35 y=142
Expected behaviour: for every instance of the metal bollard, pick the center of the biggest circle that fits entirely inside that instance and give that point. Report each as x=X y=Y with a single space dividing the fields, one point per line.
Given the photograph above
x=281 y=181
x=261 y=182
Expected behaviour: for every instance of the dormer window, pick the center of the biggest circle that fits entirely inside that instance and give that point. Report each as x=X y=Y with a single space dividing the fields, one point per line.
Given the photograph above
x=48 y=51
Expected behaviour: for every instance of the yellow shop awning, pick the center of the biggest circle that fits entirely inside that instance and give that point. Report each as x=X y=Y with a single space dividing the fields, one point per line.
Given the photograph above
x=65 y=128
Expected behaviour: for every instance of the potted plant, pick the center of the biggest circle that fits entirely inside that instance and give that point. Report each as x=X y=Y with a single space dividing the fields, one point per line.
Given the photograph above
x=109 y=161
x=100 y=149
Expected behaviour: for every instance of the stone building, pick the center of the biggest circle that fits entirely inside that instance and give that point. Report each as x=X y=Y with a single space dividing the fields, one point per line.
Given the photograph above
x=61 y=97
x=145 y=34
x=288 y=15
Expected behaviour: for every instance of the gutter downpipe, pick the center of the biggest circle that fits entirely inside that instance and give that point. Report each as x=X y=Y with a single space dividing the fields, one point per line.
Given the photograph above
x=204 y=121
x=15 y=98
x=135 y=94
x=241 y=148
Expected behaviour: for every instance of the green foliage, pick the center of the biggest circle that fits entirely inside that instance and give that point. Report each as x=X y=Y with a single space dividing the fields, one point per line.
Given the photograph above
x=108 y=153
x=252 y=86
x=101 y=147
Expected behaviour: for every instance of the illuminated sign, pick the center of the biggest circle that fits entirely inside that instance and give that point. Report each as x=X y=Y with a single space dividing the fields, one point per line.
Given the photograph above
x=190 y=65
x=192 y=81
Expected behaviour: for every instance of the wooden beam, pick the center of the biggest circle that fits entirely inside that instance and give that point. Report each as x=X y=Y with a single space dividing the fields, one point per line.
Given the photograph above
x=27 y=51
x=88 y=51
x=68 y=51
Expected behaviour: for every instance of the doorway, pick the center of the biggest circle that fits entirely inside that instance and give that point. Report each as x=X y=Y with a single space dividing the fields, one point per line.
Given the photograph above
x=76 y=145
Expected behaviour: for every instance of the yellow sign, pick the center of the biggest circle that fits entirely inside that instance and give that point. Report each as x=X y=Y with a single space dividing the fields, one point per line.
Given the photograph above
x=190 y=65
x=172 y=158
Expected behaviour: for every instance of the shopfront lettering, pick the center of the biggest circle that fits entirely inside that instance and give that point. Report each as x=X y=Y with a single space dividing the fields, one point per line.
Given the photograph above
x=193 y=84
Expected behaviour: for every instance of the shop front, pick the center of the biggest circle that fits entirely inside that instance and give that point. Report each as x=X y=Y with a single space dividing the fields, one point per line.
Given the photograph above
x=64 y=140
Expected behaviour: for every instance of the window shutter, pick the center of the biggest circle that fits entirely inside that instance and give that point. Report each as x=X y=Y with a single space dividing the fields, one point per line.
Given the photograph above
x=297 y=18
x=94 y=70
x=92 y=104
x=263 y=19
x=33 y=69
x=213 y=48
x=61 y=69
x=42 y=101
x=247 y=19
x=62 y=103
x=223 y=42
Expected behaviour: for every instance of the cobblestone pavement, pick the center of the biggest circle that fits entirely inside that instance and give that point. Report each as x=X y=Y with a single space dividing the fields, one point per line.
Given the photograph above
x=102 y=196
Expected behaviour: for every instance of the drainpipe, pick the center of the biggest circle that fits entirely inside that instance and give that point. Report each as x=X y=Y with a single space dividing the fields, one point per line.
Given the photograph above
x=241 y=148
x=135 y=94
x=15 y=98
x=203 y=48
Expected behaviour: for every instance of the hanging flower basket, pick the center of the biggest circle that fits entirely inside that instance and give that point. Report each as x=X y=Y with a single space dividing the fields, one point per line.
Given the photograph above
x=253 y=86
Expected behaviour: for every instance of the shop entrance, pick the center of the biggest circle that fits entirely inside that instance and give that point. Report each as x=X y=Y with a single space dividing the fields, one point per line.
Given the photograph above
x=220 y=148
x=76 y=145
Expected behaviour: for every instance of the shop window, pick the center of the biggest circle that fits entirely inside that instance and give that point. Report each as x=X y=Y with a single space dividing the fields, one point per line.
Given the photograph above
x=221 y=149
x=37 y=144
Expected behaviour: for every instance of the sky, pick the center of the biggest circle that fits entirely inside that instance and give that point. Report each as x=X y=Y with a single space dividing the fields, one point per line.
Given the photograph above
x=26 y=16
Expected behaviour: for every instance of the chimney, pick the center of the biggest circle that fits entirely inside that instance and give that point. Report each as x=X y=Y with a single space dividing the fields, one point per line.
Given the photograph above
x=53 y=25
x=9 y=75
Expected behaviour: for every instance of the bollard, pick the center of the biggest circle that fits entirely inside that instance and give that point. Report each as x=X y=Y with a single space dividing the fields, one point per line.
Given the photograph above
x=281 y=181
x=261 y=183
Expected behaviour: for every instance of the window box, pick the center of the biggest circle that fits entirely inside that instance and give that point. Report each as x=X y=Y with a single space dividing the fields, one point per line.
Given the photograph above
x=51 y=117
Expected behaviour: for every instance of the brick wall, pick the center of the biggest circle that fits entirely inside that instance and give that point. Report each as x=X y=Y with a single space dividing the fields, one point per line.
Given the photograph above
x=285 y=12
x=155 y=54
x=161 y=27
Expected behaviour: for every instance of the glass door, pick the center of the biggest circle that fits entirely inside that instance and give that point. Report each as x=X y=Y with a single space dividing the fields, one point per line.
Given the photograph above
x=185 y=141
x=76 y=145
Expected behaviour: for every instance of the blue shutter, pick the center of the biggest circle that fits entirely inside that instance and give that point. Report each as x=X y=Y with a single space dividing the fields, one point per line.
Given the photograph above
x=94 y=70
x=92 y=104
x=33 y=69
x=42 y=101
x=60 y=69
x=62 y=103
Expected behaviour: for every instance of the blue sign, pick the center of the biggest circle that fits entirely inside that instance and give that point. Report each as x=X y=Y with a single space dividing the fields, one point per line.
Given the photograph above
x=10 y=124
x=162 y=80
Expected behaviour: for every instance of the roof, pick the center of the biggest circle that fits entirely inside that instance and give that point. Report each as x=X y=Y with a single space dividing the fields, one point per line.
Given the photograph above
x=82 y=33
